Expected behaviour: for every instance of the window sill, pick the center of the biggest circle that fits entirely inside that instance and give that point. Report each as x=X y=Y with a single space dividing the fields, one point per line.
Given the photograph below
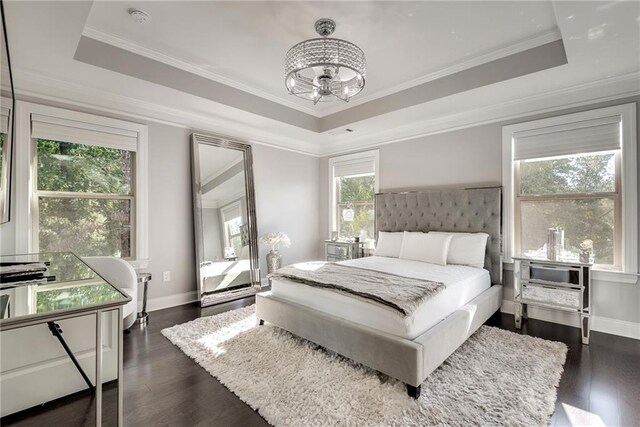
x=139 y=264
x=615 y=277
x=600 y=275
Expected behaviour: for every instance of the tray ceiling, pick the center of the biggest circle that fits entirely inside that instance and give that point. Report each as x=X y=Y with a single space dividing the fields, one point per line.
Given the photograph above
x=243 y=44
x=600 y=42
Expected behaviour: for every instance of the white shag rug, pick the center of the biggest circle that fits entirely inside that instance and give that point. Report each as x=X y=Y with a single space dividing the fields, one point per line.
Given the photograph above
x=496 y=378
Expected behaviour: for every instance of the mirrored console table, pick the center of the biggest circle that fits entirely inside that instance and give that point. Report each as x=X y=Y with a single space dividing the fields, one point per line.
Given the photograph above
x=41 y=290
x=558 y=285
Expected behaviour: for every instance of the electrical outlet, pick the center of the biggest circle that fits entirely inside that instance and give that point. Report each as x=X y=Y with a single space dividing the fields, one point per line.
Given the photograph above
x=166 y=276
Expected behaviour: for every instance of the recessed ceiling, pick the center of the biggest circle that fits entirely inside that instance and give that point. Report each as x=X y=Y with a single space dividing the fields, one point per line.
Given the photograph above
x=243 y=44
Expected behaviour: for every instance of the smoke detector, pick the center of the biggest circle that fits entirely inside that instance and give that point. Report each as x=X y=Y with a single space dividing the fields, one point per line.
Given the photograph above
x=140 y=16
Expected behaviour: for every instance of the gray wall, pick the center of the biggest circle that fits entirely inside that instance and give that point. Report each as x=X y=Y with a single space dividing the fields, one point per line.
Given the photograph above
x=171 y=244
x=286 y=200
x=473 y=156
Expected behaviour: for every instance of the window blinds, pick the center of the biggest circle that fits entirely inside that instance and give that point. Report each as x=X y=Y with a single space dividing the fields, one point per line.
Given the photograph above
x=589 y=136
x=362 y=166
x=5 y=113
x=57 y=129
x=232 y=211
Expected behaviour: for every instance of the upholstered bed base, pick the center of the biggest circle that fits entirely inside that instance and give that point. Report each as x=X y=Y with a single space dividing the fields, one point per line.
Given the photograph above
x=410 y=361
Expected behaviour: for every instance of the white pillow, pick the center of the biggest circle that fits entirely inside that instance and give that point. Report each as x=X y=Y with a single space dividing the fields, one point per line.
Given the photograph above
x=426 y=247
x=466 y=248
x=389 y=244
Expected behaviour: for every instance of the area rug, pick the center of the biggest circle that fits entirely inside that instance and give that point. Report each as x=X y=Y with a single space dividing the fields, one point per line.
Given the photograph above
x=496 y=378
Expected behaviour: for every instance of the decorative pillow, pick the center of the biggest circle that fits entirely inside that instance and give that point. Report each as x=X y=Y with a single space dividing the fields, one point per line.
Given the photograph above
x=426 y=247
x=389 y=244
x=466 y=248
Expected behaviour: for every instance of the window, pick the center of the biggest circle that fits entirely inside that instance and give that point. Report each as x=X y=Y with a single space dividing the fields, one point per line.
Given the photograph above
x=84 y=186
x=354 y=183
x=232 y=222
x=578 y=193
x=85 y=196
x=577 y=172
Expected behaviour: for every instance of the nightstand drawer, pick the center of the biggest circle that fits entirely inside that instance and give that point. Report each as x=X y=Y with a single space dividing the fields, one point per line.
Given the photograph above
x=551 y=274
x=562 y=298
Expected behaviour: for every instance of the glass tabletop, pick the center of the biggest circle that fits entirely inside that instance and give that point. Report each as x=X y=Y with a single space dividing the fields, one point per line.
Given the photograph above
x=48 y=284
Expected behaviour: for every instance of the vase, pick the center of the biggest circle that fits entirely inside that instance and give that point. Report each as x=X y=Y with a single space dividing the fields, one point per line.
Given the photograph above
x=274 y=261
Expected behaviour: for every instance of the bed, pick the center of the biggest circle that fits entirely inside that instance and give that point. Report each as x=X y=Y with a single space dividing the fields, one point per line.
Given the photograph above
x=407 y=348
x=222 y=275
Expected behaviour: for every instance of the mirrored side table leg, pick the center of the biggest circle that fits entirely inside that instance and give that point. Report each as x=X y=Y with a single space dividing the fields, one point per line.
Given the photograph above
x=143 y=316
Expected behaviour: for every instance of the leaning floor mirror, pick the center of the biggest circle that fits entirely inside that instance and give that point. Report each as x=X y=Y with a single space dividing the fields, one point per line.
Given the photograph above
x=224 y=219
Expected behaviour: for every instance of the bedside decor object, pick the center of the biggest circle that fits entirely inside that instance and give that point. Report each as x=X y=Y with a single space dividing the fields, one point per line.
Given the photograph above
x=558 y=285
x=274 y=259
x=325 y=69
x=586 y=248
x=553 y=237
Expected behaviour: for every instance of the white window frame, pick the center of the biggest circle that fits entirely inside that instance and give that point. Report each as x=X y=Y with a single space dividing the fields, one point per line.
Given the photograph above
x=628 y=175
x=25 y=173
x=348 y=158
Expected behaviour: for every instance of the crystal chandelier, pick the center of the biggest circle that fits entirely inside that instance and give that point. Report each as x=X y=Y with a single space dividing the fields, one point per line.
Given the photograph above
x=324 y=69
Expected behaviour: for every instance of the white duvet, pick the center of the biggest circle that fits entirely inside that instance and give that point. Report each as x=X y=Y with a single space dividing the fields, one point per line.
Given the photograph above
x=463 y=284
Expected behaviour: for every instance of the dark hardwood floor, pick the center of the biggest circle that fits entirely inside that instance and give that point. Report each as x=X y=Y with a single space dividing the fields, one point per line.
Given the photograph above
x=164 y=387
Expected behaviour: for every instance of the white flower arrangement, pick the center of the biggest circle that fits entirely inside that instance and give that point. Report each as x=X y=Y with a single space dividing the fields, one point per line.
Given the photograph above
x=587 y=245
x=275 y=240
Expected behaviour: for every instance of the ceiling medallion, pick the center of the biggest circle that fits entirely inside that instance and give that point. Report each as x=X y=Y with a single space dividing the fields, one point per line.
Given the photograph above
x=324 y=69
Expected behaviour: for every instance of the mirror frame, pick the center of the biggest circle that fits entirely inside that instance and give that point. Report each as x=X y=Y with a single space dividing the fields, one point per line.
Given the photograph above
x=7 y=167
x=220 y=297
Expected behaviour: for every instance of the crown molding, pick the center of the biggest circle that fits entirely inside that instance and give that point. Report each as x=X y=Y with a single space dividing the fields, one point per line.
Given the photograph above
x=54 y=90
x=81 y=96
x=575 y=96
x=189 y=67
x=521 y=46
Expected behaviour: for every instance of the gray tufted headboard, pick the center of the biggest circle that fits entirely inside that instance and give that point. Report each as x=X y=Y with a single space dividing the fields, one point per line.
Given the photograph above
x=457 y=210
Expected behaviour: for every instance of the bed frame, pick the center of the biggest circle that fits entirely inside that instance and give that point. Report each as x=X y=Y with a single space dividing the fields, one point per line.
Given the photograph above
x=410 y=361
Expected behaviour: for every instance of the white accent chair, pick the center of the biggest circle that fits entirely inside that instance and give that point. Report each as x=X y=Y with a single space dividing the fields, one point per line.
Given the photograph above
x=121 y=274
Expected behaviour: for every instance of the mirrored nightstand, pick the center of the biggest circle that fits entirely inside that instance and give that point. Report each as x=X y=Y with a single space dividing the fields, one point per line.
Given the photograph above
x=558 y=285
x=342 y=251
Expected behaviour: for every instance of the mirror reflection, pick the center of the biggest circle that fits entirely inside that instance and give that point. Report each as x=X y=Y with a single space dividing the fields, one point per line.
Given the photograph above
x=225 y=263
x=224 y=219
x=6 y=109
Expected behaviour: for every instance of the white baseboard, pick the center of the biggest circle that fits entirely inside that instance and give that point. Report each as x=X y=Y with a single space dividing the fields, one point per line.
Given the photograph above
x=159 y=303
x=169 y=301
x=616 y=327
x=607 y=325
